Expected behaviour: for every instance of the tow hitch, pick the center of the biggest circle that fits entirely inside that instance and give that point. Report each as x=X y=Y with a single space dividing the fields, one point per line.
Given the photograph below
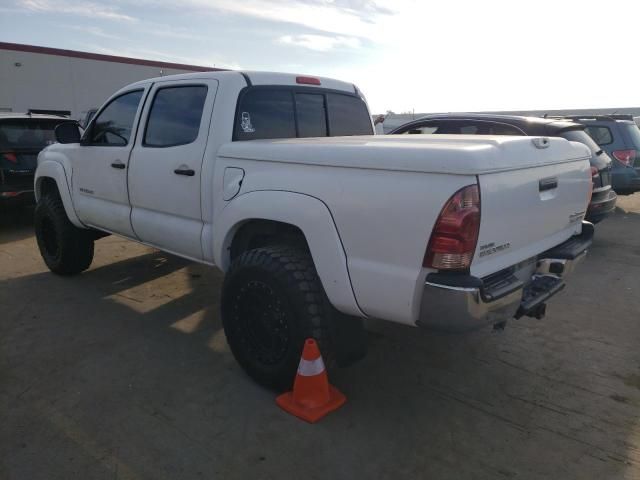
x=537 y=293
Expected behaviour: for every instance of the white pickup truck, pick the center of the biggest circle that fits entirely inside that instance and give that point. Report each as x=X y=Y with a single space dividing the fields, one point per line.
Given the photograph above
x=315 y=234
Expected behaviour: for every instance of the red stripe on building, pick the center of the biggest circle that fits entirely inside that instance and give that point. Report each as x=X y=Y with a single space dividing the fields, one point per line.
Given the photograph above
x=103 y=58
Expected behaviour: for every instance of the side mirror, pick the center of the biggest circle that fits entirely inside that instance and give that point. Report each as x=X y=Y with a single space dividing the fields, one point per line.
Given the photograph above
x=68 y=132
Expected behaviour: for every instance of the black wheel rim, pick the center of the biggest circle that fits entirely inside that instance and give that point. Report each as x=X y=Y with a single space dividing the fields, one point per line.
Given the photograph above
x=261 y=322
x=49 y=237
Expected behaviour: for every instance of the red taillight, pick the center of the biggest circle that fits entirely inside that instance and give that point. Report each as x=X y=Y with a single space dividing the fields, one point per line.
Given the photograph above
x=308 y=80
x=11 y=157
x=625 y=157
x=454 y=237
x=595 y=174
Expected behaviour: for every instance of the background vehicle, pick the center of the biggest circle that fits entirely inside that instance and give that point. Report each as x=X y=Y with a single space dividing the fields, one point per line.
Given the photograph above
x=22 y=137
x=603 y=200
x=314 y=234
x=619 y=136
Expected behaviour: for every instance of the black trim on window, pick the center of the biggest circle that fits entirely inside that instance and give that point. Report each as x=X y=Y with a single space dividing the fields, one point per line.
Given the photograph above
x=295 y=114
x=293 y=89
x=246 y=79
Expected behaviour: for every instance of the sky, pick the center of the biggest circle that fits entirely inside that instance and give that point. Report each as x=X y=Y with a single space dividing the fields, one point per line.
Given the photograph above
x=405 y=55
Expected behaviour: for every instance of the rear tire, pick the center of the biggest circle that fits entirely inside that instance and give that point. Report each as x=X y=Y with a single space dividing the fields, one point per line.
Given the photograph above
x=66 y=249
x=272 y=300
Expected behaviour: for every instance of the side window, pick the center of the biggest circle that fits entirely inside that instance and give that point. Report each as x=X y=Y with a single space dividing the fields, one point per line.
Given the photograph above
x=114 y=124
x=174 y=117
x=421 y=130
x=469 y=129
x=348 y=115
x=265 y=113
x=502 y=129
x=455 y=127
x=310 y=112
x=601 y=135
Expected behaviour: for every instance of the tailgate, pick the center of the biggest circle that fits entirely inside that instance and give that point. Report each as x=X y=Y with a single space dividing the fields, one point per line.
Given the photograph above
x=525 y=212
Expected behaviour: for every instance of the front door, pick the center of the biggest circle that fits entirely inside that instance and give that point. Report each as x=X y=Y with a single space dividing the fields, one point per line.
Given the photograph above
x=166 y=164
x=101 y=162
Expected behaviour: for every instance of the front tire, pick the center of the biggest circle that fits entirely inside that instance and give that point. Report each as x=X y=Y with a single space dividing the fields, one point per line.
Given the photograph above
x=272 y=300
x=66 y=249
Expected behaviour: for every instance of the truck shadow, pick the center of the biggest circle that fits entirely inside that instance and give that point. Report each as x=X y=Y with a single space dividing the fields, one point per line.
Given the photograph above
x=133 y=353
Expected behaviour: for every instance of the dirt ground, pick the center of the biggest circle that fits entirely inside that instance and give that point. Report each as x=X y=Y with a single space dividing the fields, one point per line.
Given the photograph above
x=124 y=372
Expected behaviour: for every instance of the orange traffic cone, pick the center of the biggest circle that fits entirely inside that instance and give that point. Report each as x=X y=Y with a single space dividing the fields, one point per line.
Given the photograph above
x=312 y=396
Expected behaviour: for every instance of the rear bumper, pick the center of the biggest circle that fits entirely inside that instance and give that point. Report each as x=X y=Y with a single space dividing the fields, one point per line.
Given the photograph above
x=625 y=179
x=459 y=303
x=19 y=195
x=602 y=204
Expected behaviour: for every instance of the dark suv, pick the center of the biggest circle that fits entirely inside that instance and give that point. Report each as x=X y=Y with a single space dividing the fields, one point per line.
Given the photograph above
x=22 y=136
x=619 y=136
x=603 y=200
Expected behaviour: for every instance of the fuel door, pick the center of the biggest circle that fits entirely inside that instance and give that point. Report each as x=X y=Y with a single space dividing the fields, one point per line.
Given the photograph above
x=232 y=182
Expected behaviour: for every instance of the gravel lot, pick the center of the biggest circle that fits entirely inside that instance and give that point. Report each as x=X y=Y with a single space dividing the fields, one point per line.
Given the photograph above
x=124 y=372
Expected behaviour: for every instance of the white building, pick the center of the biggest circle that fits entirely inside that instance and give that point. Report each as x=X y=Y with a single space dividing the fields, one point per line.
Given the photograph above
x=43 y=78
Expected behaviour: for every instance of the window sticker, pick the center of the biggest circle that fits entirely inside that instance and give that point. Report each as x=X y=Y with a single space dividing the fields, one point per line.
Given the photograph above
x=245 y=123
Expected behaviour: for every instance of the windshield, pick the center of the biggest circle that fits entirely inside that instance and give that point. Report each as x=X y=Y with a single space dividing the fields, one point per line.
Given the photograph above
x=634 y=134
x=27 y=134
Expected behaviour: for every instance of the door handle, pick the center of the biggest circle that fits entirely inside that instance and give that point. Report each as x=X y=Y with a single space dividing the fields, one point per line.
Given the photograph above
x=184 y=171
x=119 y=165
x=548 y=184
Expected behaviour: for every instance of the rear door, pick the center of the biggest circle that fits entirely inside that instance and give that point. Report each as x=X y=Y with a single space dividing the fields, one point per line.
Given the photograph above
x=166 y=165
x=101 y=162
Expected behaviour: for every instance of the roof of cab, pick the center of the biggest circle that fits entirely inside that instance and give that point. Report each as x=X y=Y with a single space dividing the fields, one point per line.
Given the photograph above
x=255 y=78
x=32 y=116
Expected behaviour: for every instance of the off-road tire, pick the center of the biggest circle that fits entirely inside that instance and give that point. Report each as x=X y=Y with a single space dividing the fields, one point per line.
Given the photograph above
x=66 y=249
x=275 y=291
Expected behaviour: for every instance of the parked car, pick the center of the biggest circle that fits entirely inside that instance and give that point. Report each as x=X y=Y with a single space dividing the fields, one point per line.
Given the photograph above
x=603 y=200
x=315 y=234
x=619 y=136
x=22 y=137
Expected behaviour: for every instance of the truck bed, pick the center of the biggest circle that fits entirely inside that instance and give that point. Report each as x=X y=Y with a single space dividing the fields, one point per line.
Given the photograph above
x=451 y=154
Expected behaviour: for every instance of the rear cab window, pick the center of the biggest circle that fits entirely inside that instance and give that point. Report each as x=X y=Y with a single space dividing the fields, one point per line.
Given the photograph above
x=290 y=112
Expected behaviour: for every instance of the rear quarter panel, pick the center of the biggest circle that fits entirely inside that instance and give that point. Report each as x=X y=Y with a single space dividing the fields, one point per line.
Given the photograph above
x=384 y=220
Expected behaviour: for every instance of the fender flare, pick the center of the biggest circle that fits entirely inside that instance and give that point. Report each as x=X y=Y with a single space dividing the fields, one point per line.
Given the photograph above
x=55 y=170
x=312 y=217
